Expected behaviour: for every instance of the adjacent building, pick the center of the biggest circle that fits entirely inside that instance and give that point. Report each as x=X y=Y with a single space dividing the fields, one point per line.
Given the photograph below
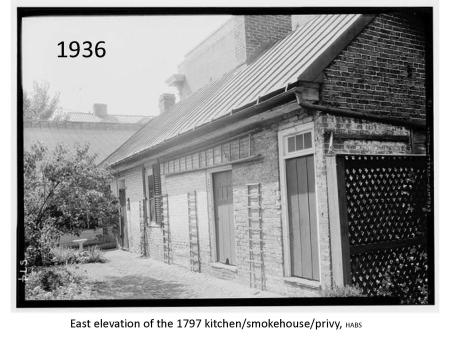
x=101 y=131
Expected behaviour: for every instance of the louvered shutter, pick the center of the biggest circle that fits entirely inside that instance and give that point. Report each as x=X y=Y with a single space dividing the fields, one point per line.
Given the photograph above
x=151 y=198
x=158 y=197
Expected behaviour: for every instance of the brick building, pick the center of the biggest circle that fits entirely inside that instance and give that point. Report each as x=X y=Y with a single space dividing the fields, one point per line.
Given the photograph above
x=243 y=177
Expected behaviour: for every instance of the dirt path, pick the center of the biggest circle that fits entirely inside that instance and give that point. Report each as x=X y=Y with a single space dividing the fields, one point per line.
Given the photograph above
x=127 y=276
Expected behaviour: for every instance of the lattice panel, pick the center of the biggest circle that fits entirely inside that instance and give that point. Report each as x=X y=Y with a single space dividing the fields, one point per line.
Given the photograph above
x=385 y=198
x=406 y=267
x=386 y=221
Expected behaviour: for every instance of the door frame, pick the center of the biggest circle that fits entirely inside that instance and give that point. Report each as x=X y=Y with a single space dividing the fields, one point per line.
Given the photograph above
x=282 y=157
x=121 y=185
x=212 y=213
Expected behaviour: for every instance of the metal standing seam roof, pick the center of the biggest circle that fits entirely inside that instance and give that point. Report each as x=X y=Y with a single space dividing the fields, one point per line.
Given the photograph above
x=275 y=69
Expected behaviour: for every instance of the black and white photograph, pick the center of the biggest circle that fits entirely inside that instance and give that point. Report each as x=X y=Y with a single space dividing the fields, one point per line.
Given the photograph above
x=225 y=156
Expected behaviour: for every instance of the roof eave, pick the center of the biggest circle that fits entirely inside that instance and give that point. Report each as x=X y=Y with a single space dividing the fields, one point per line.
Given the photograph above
x=237 y=114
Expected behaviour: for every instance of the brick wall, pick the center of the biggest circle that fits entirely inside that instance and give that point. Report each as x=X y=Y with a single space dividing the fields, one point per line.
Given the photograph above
x=155 y=243
x=382 y=70
x=177 y=187
x=266 y=173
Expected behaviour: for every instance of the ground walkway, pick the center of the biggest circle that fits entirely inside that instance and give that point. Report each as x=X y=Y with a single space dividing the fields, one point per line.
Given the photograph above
x=128 y=276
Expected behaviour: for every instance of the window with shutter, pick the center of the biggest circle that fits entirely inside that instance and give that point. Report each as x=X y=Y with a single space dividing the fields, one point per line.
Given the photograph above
x=157 y=193
x=151 y=198
x=154 y=195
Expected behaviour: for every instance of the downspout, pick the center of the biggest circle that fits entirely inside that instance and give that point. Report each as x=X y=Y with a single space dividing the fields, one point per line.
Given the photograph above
x=144 y=212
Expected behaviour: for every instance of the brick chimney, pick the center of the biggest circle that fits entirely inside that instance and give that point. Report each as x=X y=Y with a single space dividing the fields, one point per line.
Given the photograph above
x=301 y=20
x=263 y=31
x=100 y=110
x=166 y=102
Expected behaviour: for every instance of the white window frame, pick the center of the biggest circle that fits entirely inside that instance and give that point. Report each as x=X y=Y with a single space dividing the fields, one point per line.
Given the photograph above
x=148 y=172
x=283 y=156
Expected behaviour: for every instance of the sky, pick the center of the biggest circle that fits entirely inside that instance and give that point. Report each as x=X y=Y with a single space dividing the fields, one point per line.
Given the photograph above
x=141 y=54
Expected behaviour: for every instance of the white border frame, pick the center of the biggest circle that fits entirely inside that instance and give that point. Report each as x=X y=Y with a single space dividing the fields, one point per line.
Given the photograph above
x=283 y=156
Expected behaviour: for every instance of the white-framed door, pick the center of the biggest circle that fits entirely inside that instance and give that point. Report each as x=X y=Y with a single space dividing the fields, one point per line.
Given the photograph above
x=299 y=203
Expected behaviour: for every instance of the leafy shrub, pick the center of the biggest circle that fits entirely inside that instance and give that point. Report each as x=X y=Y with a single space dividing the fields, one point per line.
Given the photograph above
x=64 y=192
x=53 y=283
x=92 y=255
x=342 y=291
x=62 y=255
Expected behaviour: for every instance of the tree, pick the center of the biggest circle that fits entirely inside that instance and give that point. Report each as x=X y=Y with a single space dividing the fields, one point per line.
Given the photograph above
x=64 y=192
x=39 y=105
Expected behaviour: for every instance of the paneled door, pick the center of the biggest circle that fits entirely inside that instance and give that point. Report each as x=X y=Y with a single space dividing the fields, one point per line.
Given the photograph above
x=301 y=198
x=223 y=211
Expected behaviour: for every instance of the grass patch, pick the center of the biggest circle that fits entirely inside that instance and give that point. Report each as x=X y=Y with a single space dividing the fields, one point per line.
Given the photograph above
x=62 y=255
x=342 y=291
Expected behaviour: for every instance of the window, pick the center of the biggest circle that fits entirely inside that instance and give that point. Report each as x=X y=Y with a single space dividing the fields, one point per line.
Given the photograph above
x=299 y=142
x=233 y=150
x=151 y=198
x=183 y=163
x=217 y=155
x=154 y=195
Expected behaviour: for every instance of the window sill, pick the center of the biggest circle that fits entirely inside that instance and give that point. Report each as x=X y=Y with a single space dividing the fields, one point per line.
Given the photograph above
x=218 y=265
x=298 y=281
x=153 y=225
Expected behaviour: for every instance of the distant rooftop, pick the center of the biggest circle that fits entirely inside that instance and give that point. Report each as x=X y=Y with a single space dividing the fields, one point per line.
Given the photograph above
x=103 y=137
x=91 y=117
x=100 y=114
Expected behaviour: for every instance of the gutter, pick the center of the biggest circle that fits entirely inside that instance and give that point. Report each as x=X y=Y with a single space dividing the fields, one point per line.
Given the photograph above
x=304 y=92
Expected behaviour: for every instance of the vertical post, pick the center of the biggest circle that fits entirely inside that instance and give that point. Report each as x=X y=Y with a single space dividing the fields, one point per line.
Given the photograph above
x=144 y=214
x=342 y=198
x=337 y=215
x=239 y=148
